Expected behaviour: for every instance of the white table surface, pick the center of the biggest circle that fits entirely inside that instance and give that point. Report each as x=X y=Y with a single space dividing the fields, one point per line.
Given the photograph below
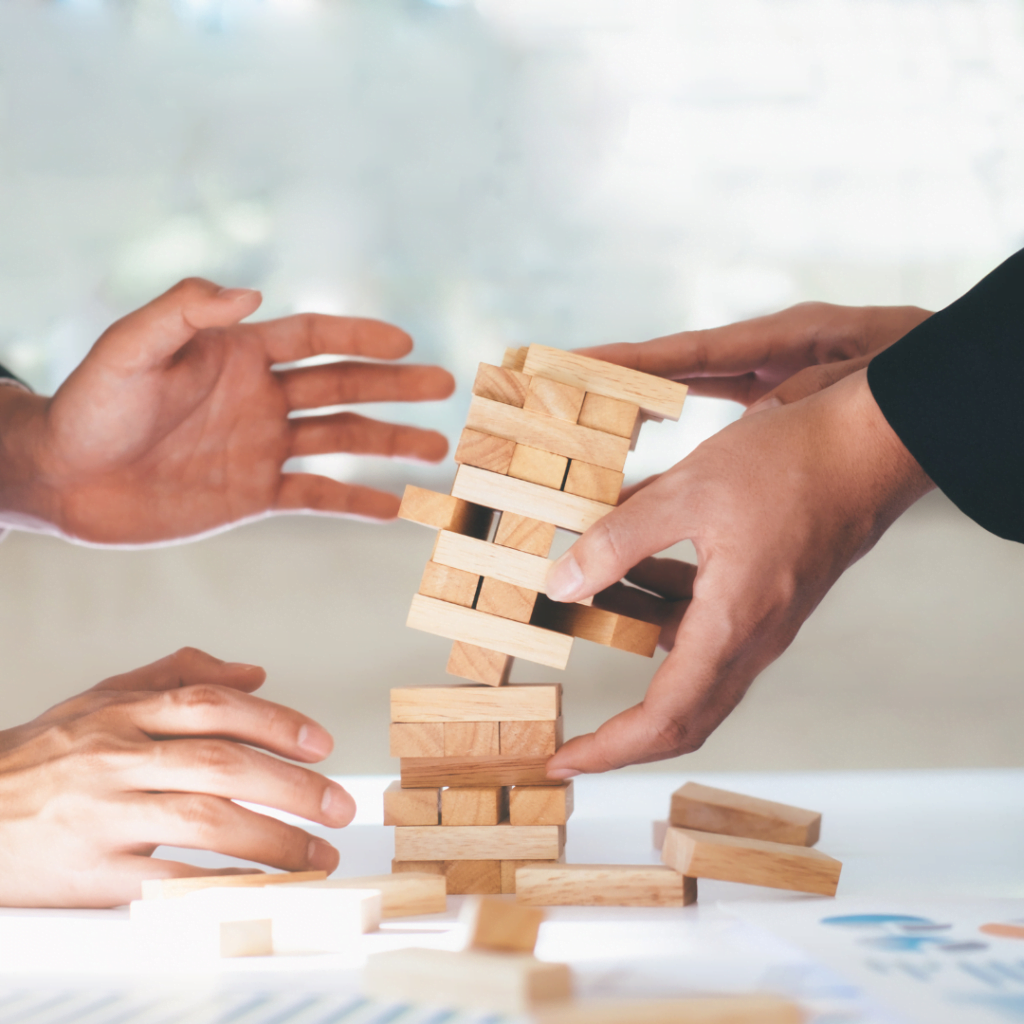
x=921 y=838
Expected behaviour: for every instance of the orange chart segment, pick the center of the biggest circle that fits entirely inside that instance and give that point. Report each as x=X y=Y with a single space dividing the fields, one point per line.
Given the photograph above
x=1003 y=931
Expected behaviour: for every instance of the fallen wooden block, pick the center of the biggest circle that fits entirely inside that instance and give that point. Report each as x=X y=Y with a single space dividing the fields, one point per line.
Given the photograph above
x=524 y=534
x=184 y=928
x=707 y=809
x=461 y=877
x=510 y=867
x=566 y=511
x=593 y=482
x=443 y=512
x=604 y=885
x=610 y=415
x=485 y=450
x=479 y=842
x=655 y=395
x=419 y=806
x=516 y=639
x=172 y=888
x=402 y=895
x=597 y=625
x=527 y=739
x=479 y=664
x=418 y=772
x=499 y=982
x=470 y=739
x=753 y=1009
x=474 y=806
x=522 y=702
x=541 y=805
x=506 y=600
x=501 y=385
x=552 y=398
x=492 y=561
x=752 y=861
x=500 y=926
x=416 y=739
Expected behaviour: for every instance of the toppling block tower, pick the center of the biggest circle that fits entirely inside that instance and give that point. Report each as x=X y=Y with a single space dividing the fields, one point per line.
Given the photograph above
x=544 y=447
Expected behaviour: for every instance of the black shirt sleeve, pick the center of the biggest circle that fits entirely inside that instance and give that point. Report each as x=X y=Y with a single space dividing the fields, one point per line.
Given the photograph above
x=953 y=390
x=6 y=374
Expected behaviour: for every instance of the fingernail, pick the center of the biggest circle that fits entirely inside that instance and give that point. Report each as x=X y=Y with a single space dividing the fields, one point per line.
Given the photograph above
x=314 y=741
x=771 y=402
x=565 y=579
x=321 y=856
x=234 y=294
x=563 y=773
x=242 y=666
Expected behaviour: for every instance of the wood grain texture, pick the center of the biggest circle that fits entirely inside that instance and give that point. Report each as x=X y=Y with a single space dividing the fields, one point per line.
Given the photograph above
x=521 y=702
x=610 y=415
x=526 y=739
x=469 y=739
x=484 y=450
x=604 y=885
x=172 y=888
x=516 y=639
x=479 y=664
x=500 y=926
x=417 y=739
x=752 y=1009
x=593 y=482
x=539 y=467
x=443 y=512
x=474 y=806
x=411 y=806
x=548 y=434
x=506 y=600
x=501 y=384
x=474 y=771
x=514 y=359
x=481 y=842
x=444 y=583
x=473 y=877
x=510 y=867
x=752 y=861
x=707 y=809
x=479 y=558
x=567 y=511
x=525 y=534
x=596 y=625
x=553 y=398
x=402 y=895
x=541 y=805
x=654 y=395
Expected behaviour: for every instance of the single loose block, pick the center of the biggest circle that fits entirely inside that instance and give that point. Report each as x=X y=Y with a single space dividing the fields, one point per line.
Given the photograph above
x=416 y=739
x=525 y=534
x=479 y=664
x=443 y=512
x=527 y=739
x=752 y=861
x=470 y=739
x=609 y=415
x=475 y=771
x=541 y=805
x=402 y=895
x=707 y=809
x=510 y=867
x=500 y=926
x=447 y=584
x=604 y=885
x=501 y=384
x=524 y=702
x=481 y=842
x=171 y=888
x=411 y=806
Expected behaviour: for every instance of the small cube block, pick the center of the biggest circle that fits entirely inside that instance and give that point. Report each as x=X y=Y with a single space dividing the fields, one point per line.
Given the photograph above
x=609 y=414
x=416 y=739
x=525 y=534
x=563 y=401
x=540 y=805
x=530 y=739
x=479 y=664
x=473 y=806
x=501 y=384
x=593 y=482
x=500 y=926
x=471 y=739
x=411 y=806
x=484 y=450
x=538 y=467
x=447 y=584
x=505 y=599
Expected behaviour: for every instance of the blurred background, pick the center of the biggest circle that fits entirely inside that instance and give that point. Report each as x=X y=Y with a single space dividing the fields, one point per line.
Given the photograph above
x=493 y=173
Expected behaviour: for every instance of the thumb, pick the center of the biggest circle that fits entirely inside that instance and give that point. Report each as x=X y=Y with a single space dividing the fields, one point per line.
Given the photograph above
x=160 y=328
x=807 y=382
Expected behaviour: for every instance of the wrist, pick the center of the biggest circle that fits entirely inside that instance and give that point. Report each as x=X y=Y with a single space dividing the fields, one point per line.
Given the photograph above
x=24 y=501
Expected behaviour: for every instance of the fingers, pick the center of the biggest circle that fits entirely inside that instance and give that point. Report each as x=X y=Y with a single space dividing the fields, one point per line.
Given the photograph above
x=201 y=710
x=743 y=388
x=188 y=667
x=808 y=382
x=313 y=334
x=344 y=383
x=670 y=578
x=349 y=432
x=155 y=332
x=307 y=492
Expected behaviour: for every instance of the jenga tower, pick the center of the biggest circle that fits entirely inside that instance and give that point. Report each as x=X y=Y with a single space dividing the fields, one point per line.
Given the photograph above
x=544 y=446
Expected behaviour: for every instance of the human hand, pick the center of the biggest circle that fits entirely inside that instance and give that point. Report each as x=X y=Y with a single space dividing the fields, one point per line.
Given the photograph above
x=175 y=425
x=157 y=756
x=771 y=360
x=777 y=506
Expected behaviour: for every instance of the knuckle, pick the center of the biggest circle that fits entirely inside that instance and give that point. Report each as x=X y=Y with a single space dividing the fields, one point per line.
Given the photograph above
x=202 y=700
x=201 y=814
x=216 y=757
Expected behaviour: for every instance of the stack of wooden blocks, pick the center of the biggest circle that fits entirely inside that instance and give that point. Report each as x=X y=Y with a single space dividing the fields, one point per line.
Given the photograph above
x=544 y=447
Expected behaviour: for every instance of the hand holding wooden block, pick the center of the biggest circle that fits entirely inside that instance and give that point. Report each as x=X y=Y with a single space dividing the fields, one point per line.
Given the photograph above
x=500 y=926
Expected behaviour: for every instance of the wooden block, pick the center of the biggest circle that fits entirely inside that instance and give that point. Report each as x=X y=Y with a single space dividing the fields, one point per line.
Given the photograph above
x=514 y=358
x=547 y=433
x=447 y=584
x=172 y=888
x=500 y=926
x=526 y=739
x=516 y=639
x=497 y=982
x=506 y=600
x=552 y=398
x=538 y=467
x=443 y=512
x=752 y=861
x=479 y=664
x=417 y=739
x=654 y=395
x=479 y=842
x=493 y=561
x=194 y=929
x=474 y=806
x=247 y=938
x=524 y=534
x=473 y=877
x=541 y=805
x=402 y=895
x=604 y=885
x=484 y=450
x=752 y=1009
x=707 y=809
x=510 y=867
x=411 y=806
x=501 y=384
x=595 y=624
x=610 y=415
x=567 y=511
x=521 y=702
x=658 y=830
x=418 y=867
x=593 y=482
x=470 y=739
x=475 y=771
